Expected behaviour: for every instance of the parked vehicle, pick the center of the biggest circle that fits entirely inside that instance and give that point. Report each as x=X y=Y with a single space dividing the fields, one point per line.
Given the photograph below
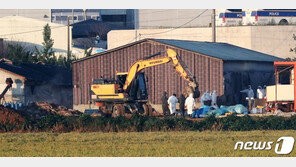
x=269 y=16
x=228 y=17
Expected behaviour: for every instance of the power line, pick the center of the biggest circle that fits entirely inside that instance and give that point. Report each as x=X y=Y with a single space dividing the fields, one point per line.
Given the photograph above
x=159 y=11
x=178 y=26
x=158 y=20
x=29 y=31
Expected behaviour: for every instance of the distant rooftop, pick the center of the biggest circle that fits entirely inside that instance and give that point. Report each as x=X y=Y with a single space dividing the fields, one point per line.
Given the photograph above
x=93 y=28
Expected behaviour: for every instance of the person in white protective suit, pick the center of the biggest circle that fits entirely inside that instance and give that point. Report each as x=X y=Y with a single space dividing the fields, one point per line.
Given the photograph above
x=249 y=92
x=214 y=98
x=205 y=97
x=190 y=104
x=172 y=103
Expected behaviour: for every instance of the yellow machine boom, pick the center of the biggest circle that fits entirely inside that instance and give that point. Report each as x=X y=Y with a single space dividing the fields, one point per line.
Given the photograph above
x=171 y=56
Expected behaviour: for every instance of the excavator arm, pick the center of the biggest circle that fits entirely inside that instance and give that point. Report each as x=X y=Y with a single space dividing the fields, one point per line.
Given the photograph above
x=9 y=83
x=171 y=56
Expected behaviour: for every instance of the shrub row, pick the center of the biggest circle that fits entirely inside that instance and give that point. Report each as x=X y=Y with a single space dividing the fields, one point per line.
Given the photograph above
x=138 y=123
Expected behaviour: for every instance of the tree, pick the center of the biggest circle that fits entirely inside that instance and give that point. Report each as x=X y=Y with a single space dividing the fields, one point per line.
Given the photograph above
x=47 y=53
x=18 y=53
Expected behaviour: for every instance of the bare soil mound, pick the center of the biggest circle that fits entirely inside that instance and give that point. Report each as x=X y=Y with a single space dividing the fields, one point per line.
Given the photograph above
x=9 y=116
x=37 y=110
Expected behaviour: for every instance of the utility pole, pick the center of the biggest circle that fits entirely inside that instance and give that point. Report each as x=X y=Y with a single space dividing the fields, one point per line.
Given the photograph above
x=68 y=38
x=84 y=13
x=72 y=16
x=213 y=26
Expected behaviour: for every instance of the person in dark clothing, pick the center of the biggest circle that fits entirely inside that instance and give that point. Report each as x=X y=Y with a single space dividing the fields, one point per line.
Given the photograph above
x=164 y=104
x=182 y=99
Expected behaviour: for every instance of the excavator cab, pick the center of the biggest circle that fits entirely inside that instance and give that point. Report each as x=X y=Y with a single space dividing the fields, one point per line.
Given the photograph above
x=138 y=90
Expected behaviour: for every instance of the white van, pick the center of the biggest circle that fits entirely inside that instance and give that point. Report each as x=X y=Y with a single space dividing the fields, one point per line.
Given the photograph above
x=269 y=16
x=228 y=18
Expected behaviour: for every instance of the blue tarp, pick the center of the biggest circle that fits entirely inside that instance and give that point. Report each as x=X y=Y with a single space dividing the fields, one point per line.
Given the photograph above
x=206 y=111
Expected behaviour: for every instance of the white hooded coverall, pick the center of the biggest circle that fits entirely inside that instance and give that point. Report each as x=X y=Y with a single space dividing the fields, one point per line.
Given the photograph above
x=172 y=104
x=190 y=104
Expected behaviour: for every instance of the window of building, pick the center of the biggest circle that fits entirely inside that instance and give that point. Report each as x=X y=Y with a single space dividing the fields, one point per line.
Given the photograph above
x=114 y=18
x=80 y=18
x=75 y=17
x=95 y=17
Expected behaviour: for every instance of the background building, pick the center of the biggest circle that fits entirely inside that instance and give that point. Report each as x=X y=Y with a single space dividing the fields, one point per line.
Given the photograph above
x=119 y=17
x=36 y=83
x=28 y=33
x=75 y=15
x=39 y=14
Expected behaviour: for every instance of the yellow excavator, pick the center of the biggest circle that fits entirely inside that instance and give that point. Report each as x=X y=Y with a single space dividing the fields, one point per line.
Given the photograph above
x=128 y=93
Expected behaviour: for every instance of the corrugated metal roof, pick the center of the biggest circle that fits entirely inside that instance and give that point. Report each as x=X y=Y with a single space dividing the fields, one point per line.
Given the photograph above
x=222 y=51
x=29 y=74
x=37 y=72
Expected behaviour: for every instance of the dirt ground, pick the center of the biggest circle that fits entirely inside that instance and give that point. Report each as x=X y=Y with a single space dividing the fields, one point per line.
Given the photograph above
x=10 y=116
x=37 y=110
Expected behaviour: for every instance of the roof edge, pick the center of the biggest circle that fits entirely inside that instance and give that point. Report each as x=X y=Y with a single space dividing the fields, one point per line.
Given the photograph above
x=157 y=41
x=24 y=77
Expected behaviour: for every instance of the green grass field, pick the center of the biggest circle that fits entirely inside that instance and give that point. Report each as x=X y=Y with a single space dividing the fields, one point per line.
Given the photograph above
x=147 y=144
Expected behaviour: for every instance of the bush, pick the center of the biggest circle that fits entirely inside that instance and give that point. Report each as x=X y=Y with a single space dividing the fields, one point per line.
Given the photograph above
x=139 y=123
x=209 y=123
x=100 y=123
x=276 y=123
x=153 y=124
x=85 y=119
x=46 y=123
x=292 y=122
x=236 y=123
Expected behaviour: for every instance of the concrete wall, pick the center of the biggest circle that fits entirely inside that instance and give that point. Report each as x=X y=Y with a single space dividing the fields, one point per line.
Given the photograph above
x=28 y=32
x=273 y=40
x=16 y=93
x=163 y=18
